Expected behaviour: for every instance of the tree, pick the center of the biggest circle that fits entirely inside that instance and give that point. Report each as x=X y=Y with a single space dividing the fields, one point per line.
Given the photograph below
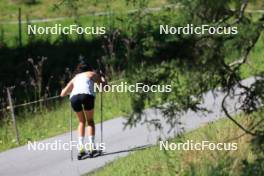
x=194 y=64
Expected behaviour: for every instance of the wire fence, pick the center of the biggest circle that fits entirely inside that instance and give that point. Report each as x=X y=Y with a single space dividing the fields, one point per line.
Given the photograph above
x=92 y=14
x=44 y=99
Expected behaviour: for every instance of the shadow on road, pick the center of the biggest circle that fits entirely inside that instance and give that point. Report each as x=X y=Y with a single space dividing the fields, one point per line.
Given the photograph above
x=138 y=148
x=143 y=147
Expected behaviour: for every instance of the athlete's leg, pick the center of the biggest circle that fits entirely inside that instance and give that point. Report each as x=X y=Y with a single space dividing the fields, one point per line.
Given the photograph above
x=78 y=109
x=81 y=130
x=91 y=127
x=81 y=127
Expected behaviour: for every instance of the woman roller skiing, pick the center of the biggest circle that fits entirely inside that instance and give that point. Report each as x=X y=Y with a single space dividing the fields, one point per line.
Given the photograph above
x=82 y=98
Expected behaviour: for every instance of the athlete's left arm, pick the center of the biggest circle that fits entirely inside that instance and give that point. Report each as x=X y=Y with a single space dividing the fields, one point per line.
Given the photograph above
x=67 y=89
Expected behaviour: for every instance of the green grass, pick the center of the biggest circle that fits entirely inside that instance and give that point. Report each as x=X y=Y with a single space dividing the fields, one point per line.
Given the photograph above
x=55 y=8
x=10 y=31
x=37 y=126
x=52 y=9
x=153 y=161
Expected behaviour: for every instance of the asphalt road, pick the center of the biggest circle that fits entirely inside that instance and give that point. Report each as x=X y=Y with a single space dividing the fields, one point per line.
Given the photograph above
x=119 y=142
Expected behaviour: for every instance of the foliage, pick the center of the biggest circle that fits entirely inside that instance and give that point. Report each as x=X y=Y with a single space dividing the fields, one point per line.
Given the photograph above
x=193 y=64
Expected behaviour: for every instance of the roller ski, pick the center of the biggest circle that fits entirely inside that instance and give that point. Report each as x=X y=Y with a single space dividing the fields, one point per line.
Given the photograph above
x=89 y=154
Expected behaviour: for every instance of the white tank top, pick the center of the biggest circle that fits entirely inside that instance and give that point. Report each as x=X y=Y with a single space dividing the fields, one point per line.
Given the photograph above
x=82 y=85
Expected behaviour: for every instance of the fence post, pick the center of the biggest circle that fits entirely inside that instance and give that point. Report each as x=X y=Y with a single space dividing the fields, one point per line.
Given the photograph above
x=12 y=114
x=19 y=28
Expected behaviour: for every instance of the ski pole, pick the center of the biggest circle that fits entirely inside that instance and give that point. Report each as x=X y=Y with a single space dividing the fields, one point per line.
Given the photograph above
x=71 y=134
x=101 y=114
x=101 y=103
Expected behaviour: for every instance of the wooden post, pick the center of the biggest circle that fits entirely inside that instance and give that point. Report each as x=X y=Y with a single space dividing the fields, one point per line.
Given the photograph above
x=11 y=107
x=19 y=28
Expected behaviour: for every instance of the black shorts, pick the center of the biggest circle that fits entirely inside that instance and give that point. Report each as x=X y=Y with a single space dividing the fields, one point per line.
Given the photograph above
x=82 y=101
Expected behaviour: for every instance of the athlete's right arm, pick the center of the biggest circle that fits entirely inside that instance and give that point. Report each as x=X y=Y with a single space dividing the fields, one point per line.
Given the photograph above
x=99 y=79
x=66 y=90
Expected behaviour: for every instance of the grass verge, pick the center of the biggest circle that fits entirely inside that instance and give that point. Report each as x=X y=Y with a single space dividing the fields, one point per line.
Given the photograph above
x=154 y=161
